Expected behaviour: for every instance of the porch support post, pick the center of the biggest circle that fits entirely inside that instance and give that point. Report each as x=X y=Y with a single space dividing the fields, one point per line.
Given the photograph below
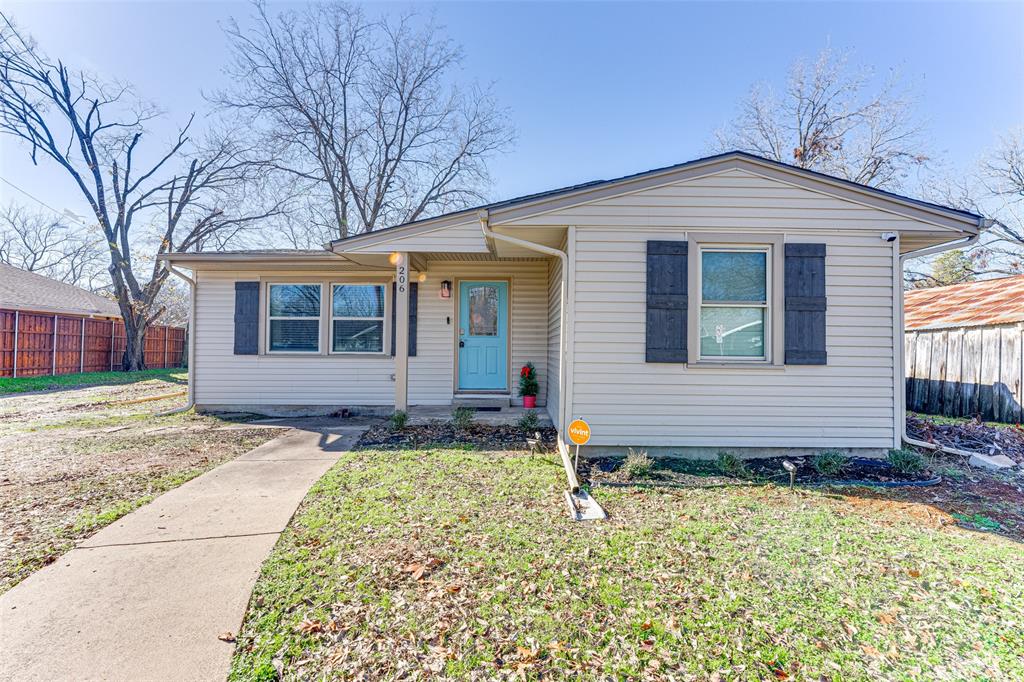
x=401 y=331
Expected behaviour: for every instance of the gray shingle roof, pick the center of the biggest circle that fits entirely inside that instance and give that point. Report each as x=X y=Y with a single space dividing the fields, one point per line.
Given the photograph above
x=28 y=291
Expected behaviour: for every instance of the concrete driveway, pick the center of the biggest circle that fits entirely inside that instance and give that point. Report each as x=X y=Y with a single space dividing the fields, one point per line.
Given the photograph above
x=147 y=597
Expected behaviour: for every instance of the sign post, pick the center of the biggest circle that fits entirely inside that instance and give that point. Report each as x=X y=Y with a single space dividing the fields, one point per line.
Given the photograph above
x=582 y=507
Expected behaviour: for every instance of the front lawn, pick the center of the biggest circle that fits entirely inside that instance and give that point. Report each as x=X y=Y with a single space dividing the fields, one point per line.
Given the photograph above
x=73 y=461
x=64 y=381
x=463 y=564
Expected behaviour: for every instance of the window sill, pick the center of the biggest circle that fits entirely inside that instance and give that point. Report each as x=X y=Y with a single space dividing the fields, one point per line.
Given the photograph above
x=357 y=354
x=715 y=366
x=318 y=354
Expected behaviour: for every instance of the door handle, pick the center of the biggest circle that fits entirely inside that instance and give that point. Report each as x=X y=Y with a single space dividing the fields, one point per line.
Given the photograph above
x=462 y=344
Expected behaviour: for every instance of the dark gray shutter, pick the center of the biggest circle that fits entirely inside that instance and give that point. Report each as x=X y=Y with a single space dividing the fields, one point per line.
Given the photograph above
x=666 y=301
x=247 y=318
x=805 y=304
x=413 y=314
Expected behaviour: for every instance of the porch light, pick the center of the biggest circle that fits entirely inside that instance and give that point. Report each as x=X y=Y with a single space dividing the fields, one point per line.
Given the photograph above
x=395 y=258
x=446 y=289
x=422 y=277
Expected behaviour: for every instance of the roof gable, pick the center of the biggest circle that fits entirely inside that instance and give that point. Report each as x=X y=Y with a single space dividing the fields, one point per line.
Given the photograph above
x=513 y=210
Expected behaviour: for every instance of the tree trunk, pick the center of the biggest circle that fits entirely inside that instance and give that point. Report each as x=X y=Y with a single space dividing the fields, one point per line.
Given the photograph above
x=135 y=343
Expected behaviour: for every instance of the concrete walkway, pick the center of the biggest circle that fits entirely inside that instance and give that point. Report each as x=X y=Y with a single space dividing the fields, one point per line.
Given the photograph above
x=147 y=597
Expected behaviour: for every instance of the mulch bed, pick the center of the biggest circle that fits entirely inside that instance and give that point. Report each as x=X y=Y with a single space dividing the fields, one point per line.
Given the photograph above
x=973 y=436
x=681 y=472
x=482 y=436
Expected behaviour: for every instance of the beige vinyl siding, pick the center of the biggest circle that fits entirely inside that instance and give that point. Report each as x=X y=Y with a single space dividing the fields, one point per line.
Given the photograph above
x=554 y=337
x=466 y=238
x=431 y=372
x=223 y=378
x=847 y=403
x=729 y=200
x=227 y=379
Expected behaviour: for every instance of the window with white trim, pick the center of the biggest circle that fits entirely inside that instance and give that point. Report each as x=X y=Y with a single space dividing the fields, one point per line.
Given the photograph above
x=735 y=290
x=357 y=318
x=293 y=319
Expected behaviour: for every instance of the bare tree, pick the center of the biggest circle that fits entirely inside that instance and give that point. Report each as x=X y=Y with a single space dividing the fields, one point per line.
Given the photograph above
x=826 y=119
x=1001 y=196
x=45 y=244
x=994 y=189
x=145 y=204
x=363 y=114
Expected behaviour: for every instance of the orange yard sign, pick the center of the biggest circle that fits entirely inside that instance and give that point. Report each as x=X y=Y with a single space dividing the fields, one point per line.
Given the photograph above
x=579 y=432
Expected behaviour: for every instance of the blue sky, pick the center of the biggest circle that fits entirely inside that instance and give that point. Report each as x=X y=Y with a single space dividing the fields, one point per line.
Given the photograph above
x=596 y=90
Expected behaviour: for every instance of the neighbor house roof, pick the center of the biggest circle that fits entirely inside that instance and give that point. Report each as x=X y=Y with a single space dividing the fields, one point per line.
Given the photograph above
x=586 y=191
x=23 y=290
x=990 y=301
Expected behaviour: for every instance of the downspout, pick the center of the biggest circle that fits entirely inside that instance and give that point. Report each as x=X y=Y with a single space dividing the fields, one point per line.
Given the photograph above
x=191 y=344
x=983 y=224
x=484 y=217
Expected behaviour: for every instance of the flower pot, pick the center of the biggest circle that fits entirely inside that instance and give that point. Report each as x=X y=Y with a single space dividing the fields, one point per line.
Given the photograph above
x=529 y=401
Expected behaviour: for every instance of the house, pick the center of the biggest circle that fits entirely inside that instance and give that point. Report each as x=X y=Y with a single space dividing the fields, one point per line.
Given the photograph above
x=48 y=327
x=32 y=292
x=728 y=302
x=965 y=349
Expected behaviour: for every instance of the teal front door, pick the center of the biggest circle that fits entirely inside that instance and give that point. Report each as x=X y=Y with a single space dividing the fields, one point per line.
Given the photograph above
x=483 y=336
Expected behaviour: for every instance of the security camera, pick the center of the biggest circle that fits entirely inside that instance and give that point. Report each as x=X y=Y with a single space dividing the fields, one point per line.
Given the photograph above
x=889 y=236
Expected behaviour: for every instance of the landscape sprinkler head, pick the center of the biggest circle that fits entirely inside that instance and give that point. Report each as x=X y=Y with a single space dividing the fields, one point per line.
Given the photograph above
x=791 y=468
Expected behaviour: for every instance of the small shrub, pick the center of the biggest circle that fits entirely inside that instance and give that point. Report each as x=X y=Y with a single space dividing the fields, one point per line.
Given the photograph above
x=978 y=521
x=906 y=461
x=637 y=464
x=830 y=462
x=528 y=380
x=462 y=417
x=398 y=420
x=731 y=465
x=529 y=421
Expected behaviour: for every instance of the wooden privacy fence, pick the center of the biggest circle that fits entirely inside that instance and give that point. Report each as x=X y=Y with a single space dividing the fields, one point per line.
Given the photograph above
x=37 y=344
x=966 y=371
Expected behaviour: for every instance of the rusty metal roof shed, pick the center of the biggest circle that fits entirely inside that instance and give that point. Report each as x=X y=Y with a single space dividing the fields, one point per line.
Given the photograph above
x=974 y=304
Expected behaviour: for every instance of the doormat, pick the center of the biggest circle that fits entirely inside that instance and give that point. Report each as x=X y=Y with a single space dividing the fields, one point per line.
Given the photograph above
x=487 y=409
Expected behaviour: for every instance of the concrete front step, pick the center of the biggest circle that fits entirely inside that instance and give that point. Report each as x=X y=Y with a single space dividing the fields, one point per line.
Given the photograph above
x=482 y=400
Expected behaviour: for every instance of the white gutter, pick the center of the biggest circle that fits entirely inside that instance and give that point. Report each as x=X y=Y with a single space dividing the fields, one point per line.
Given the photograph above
x=191 y=345
x=983 y=224
x=484 y=217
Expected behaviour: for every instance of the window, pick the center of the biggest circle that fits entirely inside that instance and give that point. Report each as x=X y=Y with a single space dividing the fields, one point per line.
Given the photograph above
x=483 y=310
x=734 y=295
x=357 y=318
x=294 y=318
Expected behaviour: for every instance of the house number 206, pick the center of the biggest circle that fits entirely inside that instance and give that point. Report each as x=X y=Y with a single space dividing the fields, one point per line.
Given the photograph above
x=402 y=278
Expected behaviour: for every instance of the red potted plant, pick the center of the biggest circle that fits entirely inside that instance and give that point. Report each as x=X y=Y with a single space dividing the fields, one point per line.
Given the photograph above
x=528 y=386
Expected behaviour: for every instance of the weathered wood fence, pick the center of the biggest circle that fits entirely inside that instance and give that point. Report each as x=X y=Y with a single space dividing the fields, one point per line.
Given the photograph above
x=36 y=344
x=966 y=371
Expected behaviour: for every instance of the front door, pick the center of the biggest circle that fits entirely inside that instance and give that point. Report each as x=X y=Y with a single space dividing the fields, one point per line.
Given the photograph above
x=483 y=336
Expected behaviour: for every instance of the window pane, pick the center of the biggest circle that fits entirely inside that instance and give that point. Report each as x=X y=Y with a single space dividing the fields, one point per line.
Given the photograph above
x=732 y=332
x=483 y=311
x=733 y=276
x=294 y=300
x=358 y=336
x=296 y=335
x=358 y=300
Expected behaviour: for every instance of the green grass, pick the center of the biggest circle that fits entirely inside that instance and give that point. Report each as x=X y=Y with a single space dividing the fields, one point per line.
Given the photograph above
x=940 y=419
x=463 y=564
x=45 y=383
x=978 y=521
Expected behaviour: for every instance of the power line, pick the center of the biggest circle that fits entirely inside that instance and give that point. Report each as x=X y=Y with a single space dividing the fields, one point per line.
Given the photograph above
x=42 y=203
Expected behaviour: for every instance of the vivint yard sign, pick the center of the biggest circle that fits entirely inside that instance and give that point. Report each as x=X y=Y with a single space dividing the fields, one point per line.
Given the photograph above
x=579 y=432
